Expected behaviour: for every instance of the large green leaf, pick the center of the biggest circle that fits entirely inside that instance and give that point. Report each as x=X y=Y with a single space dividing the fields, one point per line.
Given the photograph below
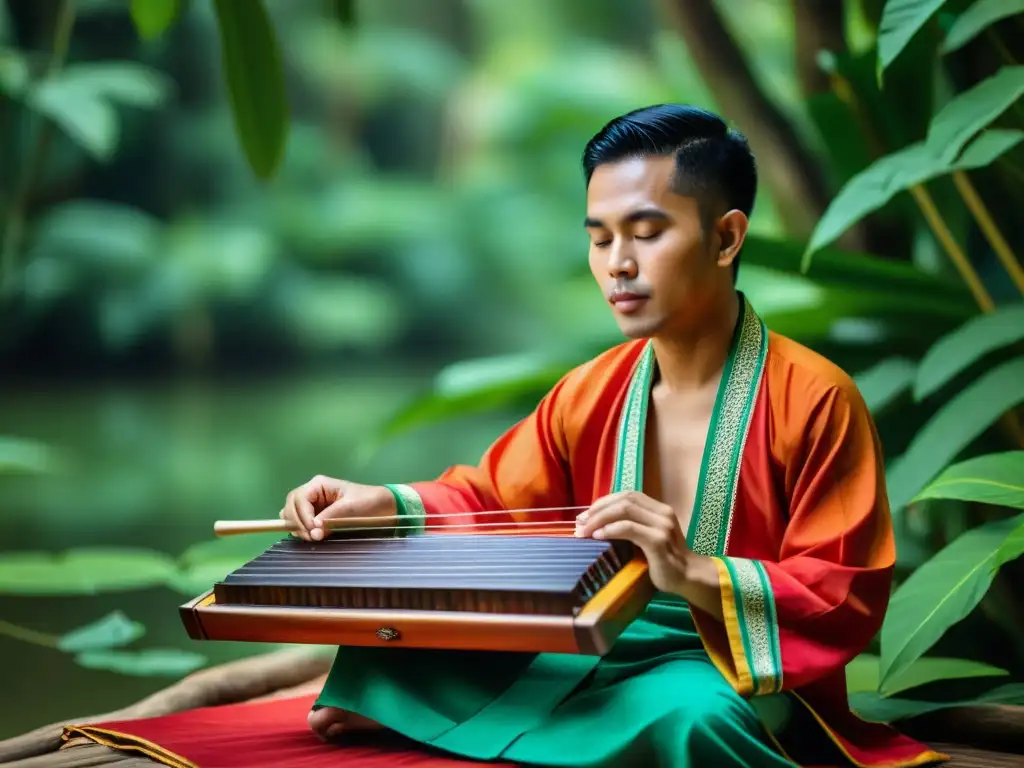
x=976 y=19
x=938 y=595
x=969 y=112
x=958 y=350
x=862 y=674
x=83 y=571
x=886 y=177
x=152 y=662
x=255 y=76
x=878 y=709
x=996 y=479
x=901 y=20
x=953 y=427
x=112 y=631
x=881 y=384
x=152 y=17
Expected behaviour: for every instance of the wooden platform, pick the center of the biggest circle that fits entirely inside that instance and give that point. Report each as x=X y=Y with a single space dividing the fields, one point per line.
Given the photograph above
x=982 y=737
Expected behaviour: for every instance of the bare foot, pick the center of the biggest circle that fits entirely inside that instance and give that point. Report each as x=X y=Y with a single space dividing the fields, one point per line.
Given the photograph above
x=330 y=722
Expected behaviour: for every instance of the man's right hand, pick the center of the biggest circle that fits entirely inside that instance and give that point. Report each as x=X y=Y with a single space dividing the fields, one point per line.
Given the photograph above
x=326 y=498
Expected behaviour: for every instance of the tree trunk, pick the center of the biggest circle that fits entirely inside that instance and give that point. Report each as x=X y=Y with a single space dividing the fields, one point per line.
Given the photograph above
x=788 y=168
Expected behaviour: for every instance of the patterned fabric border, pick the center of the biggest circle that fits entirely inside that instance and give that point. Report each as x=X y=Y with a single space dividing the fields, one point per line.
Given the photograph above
x=727 y=435
x=757 y=625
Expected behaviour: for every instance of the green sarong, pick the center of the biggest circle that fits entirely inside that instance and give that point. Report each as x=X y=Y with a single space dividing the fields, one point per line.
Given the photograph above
x=655 y=700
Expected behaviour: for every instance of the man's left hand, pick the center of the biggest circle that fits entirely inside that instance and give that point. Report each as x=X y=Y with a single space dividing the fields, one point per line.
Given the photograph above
x=650 y=525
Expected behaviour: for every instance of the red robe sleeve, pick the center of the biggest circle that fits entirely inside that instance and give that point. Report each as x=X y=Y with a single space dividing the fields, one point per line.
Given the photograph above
x=527 y=468
x=795 y=620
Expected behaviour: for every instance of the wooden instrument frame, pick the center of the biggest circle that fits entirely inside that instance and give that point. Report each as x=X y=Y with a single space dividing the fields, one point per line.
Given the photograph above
x=592 y=632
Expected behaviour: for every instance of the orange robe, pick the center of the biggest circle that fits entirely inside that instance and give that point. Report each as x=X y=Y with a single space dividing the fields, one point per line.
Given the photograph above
x=791 y=502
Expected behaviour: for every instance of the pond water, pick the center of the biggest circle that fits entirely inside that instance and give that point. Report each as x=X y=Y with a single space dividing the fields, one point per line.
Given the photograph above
x=152 y=467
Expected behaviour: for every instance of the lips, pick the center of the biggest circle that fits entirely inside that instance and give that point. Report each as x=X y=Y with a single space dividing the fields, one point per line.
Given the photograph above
x=627 y=302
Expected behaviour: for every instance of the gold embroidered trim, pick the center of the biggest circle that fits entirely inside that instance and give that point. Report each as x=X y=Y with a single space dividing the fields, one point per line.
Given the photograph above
x=730 y=424
x=757 y=623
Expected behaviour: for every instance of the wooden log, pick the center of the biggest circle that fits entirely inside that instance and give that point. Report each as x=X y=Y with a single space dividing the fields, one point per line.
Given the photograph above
x=224 y=684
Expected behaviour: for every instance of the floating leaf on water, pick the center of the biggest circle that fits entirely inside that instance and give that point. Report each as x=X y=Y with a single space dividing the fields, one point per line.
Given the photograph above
x=153 y=662
x=112 y=631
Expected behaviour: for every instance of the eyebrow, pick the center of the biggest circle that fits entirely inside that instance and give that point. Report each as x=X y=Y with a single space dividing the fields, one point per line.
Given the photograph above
x=643 y=214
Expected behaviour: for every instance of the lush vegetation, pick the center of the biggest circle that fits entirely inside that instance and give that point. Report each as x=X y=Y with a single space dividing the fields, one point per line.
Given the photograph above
x=439 y=210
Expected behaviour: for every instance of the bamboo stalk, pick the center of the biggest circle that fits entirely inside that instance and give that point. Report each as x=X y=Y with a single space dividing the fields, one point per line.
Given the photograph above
x=989 y=228
x=957 y=256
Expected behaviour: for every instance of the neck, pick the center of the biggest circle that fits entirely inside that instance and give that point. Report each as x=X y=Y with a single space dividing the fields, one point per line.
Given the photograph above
x=695 y=357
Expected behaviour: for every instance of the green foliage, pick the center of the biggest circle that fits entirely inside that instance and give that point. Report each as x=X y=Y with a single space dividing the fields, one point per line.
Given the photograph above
x=152 y=17
x=901 y=20
x=876 y=708
x=112 y=631
x=957 y=351
x=21 y=456
x=152 y=662
x=863 y=674
x=955 y=425
x=938 y=595
x=976 y=19
x=953 y=144
x=85 y=571
x=996 y=479
x=252 y=65
x=83 y=99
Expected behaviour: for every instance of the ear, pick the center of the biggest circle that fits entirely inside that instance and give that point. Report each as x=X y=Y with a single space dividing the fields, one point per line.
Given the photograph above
x=731 y=230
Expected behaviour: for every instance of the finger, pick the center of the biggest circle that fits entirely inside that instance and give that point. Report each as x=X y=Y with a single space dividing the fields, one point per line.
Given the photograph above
x=613 y=500
x=304 y=505
x=291 y=516
x=650 y=539
x=627 y=510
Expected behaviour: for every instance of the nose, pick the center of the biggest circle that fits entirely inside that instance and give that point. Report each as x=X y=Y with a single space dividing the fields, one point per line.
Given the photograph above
x=621 y=261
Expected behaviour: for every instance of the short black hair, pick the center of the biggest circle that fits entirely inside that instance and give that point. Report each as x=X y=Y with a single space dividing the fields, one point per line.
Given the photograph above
x=713 y=162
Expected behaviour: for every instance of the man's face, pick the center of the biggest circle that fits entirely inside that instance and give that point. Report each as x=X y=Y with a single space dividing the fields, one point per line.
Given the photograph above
x=647 y=251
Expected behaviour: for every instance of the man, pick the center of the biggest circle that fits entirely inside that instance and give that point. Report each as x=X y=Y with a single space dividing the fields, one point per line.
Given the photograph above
x=746 y=468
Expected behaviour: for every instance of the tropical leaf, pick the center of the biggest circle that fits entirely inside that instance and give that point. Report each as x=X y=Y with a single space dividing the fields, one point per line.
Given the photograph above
x=152 y=17
x=252 y=65
x=878 y=709
x=939 y=594
x=953 y=427
x=1013 y=546
x=976 y=19
x=960 y=349
x=153 y=662
x=862 y=674
x=996 y=479
x=901 y=20
x=969 y=112
x=112 y=631
x=886 y=177
x=83 y=571
x=881 y=384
